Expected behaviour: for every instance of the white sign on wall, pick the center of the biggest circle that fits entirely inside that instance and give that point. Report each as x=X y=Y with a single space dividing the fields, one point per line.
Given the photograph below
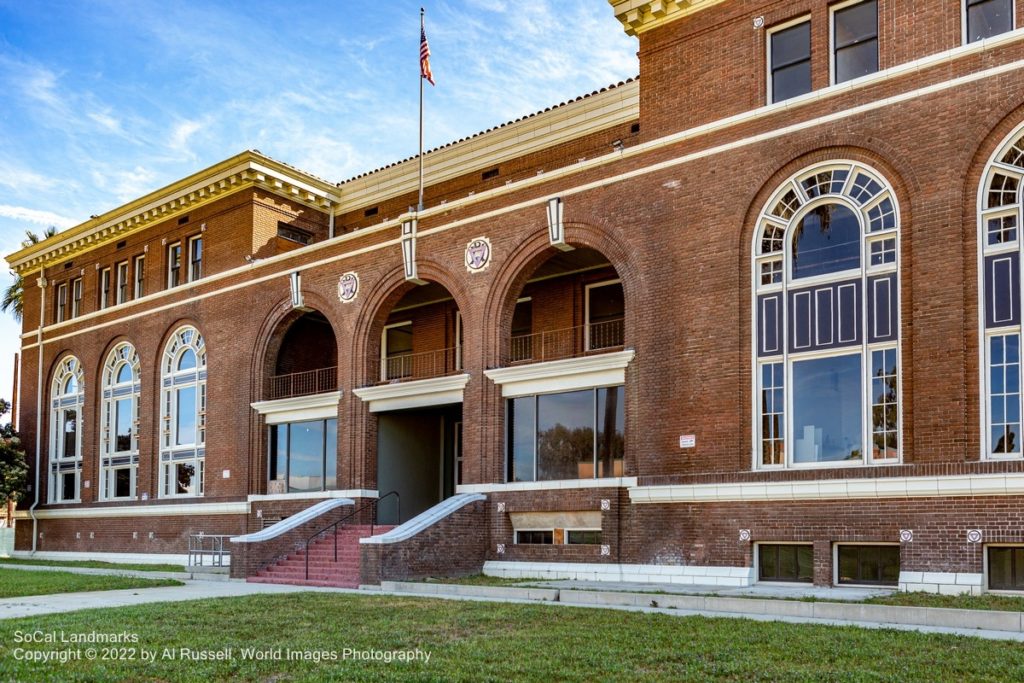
x=688 y=441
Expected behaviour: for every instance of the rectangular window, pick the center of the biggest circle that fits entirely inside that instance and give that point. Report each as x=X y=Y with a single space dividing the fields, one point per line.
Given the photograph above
x=827 y=410
x=195 y=258
x=76 y=297
x=877 y=565
x=605 y=313
x=1004 y=394
x=522 y=331
x=69 y=441
x=883 y=251
x=568 y=435
x=397 y=350
x=773 y=415
x=884 y=405
x=789 y=59
x=184 y=477
x=304 y=455
x=855 y=41
x=778 y=562
x=583 y=537
x=140 y=277
x=174 y=265
x=1002 y=229
x=1006 y=568
x=122 y=484
x=286 y=232
x=69 y=486
x=122 y=282
x=104 y=288
x=123 y=416
x=185 y=416
x=534 y=537
x=987 y=18
x=62 y=302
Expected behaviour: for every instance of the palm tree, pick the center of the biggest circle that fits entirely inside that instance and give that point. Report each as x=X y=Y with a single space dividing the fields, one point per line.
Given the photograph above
x=11 y=301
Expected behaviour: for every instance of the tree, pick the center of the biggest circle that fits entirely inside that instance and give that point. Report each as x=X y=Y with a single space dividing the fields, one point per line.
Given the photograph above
x=13 y=467
x=13 y=298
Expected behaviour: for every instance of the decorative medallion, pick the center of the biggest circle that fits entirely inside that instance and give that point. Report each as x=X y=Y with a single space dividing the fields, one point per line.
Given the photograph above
x=501 y=507
x=974 y=535
x=606 y=550
x=501 y=548
x=478 y=255
x=606 y=504
x=906 y=535
x=744 y=535
x=348 y=287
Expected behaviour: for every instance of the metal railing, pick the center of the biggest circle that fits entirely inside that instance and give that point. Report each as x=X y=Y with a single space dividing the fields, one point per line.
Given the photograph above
x=305 y=383
x=422 y=365
x=569 y=342
x=373 y=522
x=201 y=545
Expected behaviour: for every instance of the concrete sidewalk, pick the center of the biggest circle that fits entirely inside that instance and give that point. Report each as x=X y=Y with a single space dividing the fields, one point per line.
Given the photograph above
x=196 y=574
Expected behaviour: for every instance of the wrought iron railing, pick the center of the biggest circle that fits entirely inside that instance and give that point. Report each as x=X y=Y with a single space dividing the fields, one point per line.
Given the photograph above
x=306 y=383
x=373 y=522
x=569 y=342
x=422 y=365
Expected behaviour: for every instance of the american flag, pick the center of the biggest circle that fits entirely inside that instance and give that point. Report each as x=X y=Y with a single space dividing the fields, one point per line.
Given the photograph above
x=425 y=57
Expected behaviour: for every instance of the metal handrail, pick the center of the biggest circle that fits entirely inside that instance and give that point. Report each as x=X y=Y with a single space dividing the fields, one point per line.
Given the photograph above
x=422 y=365
x=568 y=342
x=197 y=549
x=373 y=523
x=305 y=383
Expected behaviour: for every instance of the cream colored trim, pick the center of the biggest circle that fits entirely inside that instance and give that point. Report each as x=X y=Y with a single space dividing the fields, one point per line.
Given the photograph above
x=613 y=107
x=136 y=558
x=419 y=393
x=185 y=509
x=315 y=407
x=600 y=370
x=589 y=165
x=605 y=483
x=640 y=16
x=315 y=495
x=639 y=573
x=831 y=489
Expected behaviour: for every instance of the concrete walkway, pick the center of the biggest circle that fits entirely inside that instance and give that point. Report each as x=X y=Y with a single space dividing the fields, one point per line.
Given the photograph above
x=197 y=573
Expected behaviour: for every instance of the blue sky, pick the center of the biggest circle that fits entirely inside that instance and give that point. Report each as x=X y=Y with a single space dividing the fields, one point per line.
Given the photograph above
x=101 y=102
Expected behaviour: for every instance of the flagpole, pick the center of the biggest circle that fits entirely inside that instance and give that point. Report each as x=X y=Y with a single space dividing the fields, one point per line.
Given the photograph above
x=419 y=206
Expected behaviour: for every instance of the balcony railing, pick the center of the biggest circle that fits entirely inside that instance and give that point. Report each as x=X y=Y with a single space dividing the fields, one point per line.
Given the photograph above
x=302 y=383
x=422 y=365
x=570 y=342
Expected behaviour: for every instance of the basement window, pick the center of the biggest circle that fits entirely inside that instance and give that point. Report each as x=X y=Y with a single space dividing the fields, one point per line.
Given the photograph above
x=535 y=537
x=1006 y=568
x=779 y=562
x=876 y=565
x=583 y=536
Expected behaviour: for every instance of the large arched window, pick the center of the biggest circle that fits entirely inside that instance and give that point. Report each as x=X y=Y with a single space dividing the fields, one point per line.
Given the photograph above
x=183 y=408
x=999 y=291
x=826 y=321
x=119 y=438
x=67 y=398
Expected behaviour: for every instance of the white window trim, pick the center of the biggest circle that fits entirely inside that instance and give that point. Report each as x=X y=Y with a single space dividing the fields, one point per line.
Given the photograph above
x=121 y=283
x=985 y=569
x=516 y=532
x=963 y=22
x=756 y=564
x=168 y=398
x=108 y=428
x=62 y=308
x=586 y=307
x=768 y=53
x=835 y=563
x=864 y=272
x=191 y=276
x=105 y=277
x=170 y=261
x=137 y=284
x=833 y=43
x=56 y=423
x=76 y=297
x=384 y=346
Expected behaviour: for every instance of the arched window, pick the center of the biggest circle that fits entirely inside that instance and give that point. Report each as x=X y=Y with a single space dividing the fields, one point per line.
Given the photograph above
x=826 y=321
x=999 y=291
x=119 y=438
x=183 y=409
x=67 y=398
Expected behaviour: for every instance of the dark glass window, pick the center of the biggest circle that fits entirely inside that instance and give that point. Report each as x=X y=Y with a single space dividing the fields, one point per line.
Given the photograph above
x=291 y=234
x=565 y=435
x=140 y=276
x=62 y=302
x=606 y=312
x=122 y=483
x=522 y=330
x=826 y=240
x=869 y=564
x=611 y=429
x=122 y=282
x=304 y=454
x=827 y=409
x=76 y=297
x=195 y=259
x=68 y=491
x=587 y=537
x=1006 y=568
x=785 y=563
x=1004 y=393
x=791 y=61
x=104 y=288
x=174 y=265
x=70 y=428
x=397 y=349
x=987 y=18
x=856 y=40
x=522 y=441
x=535 y=537
x=123 y=425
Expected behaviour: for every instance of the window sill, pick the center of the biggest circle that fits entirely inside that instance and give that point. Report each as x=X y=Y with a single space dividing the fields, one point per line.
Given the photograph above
x=602 y=483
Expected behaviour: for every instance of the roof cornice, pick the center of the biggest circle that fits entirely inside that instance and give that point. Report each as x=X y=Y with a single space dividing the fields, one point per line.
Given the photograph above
x=250 y=169
x=640 y=16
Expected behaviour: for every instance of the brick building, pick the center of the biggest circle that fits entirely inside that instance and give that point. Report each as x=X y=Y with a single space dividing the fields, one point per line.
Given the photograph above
x=752 y=316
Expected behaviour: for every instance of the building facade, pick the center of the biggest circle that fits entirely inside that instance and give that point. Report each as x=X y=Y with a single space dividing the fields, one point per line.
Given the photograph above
x=753 y=316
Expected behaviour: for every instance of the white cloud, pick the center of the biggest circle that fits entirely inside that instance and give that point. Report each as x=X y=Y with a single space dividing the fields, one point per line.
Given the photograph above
x=19 y=178
x=181 y=133
x=35 y=216
x=106 y=121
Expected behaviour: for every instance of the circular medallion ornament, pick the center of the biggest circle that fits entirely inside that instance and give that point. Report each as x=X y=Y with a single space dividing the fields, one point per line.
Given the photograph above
x=478 y=255
x=744 y=535
x=348 y=287
x=974 y=535
x=906 y=535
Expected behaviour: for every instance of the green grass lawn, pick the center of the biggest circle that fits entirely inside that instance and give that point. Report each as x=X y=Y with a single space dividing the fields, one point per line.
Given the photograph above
x=18 y=583
x=95 y=564
x=481 y=641
x=986 y=601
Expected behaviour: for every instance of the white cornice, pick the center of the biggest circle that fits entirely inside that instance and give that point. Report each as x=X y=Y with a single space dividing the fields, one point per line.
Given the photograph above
x=418 y=393
x=605 y=369
x=313 y=495
x=830 y=489
x=185 y=509
x=639 y=16
x=560 y=484
x=316 y=406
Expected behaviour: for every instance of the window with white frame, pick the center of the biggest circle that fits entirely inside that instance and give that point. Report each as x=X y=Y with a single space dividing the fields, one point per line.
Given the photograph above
x=119 y=438
x=854 y=40
x=174 y=265
x=195 y=258
x=62 y=302
x=76 y=297
x=183 y=414
x=826 y=321
x=999 y=289
x=104 y=288
x=789 y=60
x=396 y=351
x=67 y=399
x=122 y=282
x=605 y=312
x=140 y=276
x=986 y=18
